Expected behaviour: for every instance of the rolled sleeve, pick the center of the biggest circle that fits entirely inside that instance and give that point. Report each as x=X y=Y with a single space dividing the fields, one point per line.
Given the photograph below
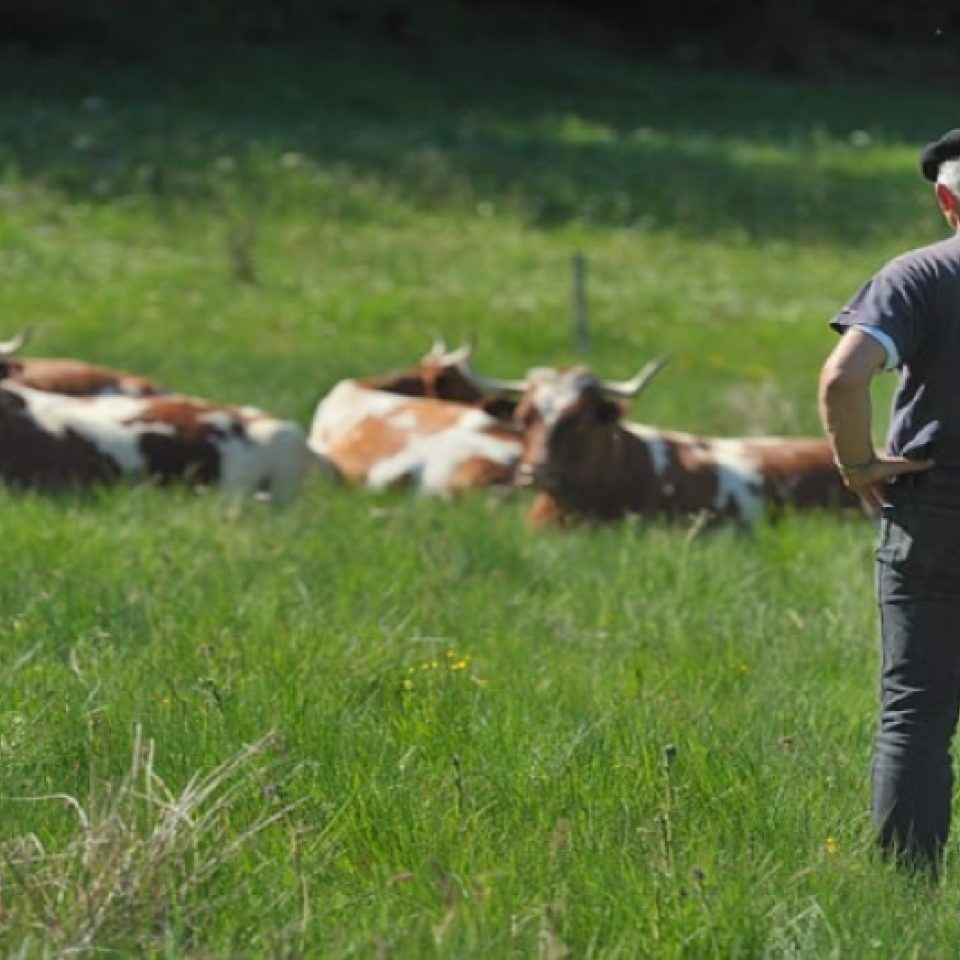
x=891 y=306
x=885 y=341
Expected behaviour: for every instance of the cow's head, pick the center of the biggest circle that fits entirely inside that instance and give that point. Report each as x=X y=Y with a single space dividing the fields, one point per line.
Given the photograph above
x=563 y=413
x=442 y=372
x=437 y=376
x=445 y=374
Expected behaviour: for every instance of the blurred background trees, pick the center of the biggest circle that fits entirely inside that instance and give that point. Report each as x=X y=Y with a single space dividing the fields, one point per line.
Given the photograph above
x=816 y=38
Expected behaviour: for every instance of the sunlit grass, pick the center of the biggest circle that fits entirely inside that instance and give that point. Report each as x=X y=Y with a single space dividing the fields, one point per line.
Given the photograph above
x=482 y=742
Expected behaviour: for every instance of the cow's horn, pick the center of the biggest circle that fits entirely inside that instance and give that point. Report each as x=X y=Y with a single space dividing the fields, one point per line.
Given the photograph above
x=628 y=389
x=10 y=347
x=492 y=384
x=438 y=348
x=459 y=356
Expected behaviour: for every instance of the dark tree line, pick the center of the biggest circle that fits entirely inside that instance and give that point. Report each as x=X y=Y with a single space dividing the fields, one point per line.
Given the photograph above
x=801 y=37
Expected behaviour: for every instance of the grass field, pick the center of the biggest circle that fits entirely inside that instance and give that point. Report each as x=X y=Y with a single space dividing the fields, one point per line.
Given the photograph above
x=383 y=727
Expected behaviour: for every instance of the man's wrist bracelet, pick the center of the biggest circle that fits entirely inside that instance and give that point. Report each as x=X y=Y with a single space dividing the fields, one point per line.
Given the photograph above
x=847 y=468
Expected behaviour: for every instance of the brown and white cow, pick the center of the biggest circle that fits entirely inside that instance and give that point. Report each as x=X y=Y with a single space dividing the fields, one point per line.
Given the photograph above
x=429 y=428
x=590 y=464
x=50 y=441
x=71 y=377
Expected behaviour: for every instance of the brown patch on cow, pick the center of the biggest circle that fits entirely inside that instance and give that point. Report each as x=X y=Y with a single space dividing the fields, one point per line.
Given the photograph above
x=361 y=448
x=691 y=481
x=189 y=453
x=546 y=512
x=428 y=381
x=445 y=383
x=480 y=472
x=188 y=417
x=800 y=473
x=77 y=379
x=32 y=457
x=407 y=383
x=433 y=416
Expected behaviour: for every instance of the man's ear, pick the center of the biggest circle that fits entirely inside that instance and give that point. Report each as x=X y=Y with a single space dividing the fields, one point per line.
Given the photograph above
x=947 y=199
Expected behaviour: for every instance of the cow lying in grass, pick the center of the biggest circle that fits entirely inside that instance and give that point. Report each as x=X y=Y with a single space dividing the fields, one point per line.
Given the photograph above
x=428 y=428
x=71 y=377
x=588 y=463
x=49 y=441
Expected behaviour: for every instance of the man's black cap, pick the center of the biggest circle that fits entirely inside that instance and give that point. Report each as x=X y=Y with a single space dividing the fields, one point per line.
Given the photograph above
x=933 y=154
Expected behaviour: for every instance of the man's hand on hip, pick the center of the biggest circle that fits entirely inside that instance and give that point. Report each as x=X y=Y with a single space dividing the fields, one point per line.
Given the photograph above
x=867 y=481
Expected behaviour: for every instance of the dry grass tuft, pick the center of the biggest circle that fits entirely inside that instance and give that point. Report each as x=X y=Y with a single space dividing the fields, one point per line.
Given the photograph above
x=140 y=864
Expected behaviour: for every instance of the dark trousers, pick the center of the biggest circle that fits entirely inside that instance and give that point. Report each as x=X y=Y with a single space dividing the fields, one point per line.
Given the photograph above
x=918 y=591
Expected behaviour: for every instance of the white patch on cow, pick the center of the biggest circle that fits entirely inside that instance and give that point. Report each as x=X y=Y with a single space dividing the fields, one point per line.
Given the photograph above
x=403 y=420
x=101 y=421
x=432 y=439
x=431 y=461
x=740 y=479
x=473 y=419
x=257 y=452
x=345 y=406
x=654 y=439
x=220 y=419
x=554 y=391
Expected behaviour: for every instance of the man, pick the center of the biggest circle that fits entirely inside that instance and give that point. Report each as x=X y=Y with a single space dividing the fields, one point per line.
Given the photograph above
x=908 y=317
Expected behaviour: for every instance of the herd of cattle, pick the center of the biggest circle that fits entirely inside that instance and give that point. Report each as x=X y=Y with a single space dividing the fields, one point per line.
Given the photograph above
x=440 y=428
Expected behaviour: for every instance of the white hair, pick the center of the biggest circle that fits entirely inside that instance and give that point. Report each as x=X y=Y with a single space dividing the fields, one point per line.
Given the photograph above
x=949 y=176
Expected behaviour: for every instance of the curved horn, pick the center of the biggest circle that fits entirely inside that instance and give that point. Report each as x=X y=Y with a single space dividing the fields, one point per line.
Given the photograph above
x=459 y=356
x=628 y=389
x=490 y=383
x=10 y=347
x=437 y=349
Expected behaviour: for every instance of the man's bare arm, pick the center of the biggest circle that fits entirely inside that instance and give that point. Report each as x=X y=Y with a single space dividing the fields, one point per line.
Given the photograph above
x=846 y=414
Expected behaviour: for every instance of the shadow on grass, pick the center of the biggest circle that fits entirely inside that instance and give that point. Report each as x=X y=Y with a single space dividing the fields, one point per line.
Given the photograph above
x=551 y=134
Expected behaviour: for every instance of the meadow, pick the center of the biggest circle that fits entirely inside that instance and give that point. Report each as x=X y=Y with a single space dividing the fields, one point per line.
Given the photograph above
x=377 y=726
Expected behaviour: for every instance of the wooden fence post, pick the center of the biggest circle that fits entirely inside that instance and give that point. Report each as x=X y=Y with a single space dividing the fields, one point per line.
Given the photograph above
x=581 y=328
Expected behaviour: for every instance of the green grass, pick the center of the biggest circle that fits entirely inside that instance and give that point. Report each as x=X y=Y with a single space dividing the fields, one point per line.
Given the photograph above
x=480 y=742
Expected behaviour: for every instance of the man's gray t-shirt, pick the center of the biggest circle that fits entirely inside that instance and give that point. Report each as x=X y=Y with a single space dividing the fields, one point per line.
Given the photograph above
x=915 y=300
